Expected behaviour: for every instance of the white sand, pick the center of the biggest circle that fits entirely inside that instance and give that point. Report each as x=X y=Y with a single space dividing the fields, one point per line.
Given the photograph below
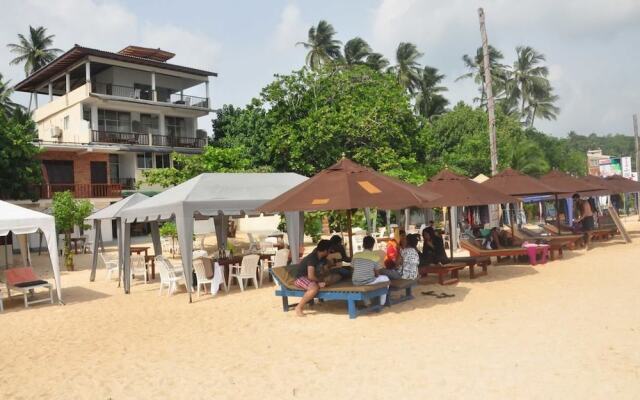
x=568 y=329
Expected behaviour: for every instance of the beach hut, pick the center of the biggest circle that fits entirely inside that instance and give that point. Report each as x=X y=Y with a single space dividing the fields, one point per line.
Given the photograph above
x=20 y=220
x=347 y=185
x=217 y=195
x=111 y=212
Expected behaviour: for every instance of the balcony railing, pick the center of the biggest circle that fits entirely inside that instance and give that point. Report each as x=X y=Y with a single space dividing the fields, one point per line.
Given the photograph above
x=148 y=94
x=82 y=190
x=178 y=141
x=125 y=183
x=120 y=137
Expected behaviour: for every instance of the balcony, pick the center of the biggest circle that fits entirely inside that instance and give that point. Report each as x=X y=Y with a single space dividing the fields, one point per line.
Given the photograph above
x=120 y=137
x=125 y=183
x=178 y=141
x=139 y=93
x=82 y=190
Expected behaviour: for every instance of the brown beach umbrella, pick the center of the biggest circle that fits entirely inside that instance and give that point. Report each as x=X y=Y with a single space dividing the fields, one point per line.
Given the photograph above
x=346 y=186
x=623 y=184
x=457 y=191
x=610 y=187
x=565 y=183
x=517 y=184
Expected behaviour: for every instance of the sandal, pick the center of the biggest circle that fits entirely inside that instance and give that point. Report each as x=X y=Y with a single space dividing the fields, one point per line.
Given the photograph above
x=429 y=293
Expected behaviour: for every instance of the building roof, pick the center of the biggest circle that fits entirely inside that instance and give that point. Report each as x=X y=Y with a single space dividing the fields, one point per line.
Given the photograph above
x=148 y=53
x=77 y=53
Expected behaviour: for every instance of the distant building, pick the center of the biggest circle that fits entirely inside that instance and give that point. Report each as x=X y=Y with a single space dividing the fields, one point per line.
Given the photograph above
x=110 y=116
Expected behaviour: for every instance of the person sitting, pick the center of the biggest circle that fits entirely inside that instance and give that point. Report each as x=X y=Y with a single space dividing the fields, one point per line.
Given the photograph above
x=309 y=275
x=392 y=253
x=410 y=258
x=366 y=266
x=338 y=255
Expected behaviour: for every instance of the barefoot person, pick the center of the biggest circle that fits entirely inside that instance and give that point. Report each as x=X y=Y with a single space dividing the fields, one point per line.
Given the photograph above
x=309 y=271
x=586 y=218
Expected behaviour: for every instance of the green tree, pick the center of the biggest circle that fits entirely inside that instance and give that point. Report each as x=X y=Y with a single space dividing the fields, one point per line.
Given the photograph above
x=407 y=66
x=528 y=77
x=6 y=104
x=33 y=51
x=429 y=101
x=542 y=105
x=212 y=159
x=476 y=72
x=322 y=46
x=377 y=62
x=69 y=213
x=19 y=167
x=356 y=51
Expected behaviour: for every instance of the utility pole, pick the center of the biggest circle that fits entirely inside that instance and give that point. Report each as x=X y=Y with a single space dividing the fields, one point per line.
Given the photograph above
x=635 y=132
x=488 y=87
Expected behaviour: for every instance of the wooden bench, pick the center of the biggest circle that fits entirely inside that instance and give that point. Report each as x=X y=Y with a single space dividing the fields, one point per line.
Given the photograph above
x=477 y=251
x=24 y=280
x=285 y=276
x=473 y=262
x=450 y=270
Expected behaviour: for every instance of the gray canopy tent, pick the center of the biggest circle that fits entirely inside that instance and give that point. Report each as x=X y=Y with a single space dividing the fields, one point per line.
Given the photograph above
x=217 y=195
x=111 y=212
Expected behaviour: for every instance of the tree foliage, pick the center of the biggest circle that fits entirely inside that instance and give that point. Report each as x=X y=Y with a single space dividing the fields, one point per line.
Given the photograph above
x=34 y=50
x=19 y=167
x=69 y=213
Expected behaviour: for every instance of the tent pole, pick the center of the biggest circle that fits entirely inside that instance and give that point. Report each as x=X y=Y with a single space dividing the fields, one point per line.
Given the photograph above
x=450 y=233
x=557 y=213
x=350 y=233
x=513 y=232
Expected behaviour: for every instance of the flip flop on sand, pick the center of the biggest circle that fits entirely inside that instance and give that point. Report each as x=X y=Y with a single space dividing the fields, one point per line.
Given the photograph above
x=444 y=295
x=429 y=293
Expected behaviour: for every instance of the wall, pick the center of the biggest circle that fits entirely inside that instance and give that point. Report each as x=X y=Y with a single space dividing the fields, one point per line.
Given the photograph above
x=127 y=77
x=52 y=115
x=81 y=163
x=262 y=224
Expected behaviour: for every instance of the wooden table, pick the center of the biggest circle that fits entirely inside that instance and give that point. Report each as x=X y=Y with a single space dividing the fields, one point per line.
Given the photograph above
x=75 y=241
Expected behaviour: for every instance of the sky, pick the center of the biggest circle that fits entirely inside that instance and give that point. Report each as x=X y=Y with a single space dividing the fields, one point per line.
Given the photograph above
x=589 y=44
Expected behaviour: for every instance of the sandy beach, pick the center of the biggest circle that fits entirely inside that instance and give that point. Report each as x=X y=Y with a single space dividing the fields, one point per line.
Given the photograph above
x=567 y=329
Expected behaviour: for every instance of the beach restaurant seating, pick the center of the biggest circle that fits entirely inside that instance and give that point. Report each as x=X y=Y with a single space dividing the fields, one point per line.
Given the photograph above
x=110 y=261
x=345 y=290
x=280 y=259
x=24 y=280
x=169 y=277
x=248 y=270
x=453 y=268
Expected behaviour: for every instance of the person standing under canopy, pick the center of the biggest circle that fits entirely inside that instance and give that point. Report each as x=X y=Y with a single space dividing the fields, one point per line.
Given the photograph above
x=585 y=218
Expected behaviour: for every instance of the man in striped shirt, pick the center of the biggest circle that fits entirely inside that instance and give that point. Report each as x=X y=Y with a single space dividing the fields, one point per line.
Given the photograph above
x=366 y=265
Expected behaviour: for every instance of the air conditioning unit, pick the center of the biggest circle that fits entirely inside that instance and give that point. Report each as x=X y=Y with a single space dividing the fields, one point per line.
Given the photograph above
x=56 y=132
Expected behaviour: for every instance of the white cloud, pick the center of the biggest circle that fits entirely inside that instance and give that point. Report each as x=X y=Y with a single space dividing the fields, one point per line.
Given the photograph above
x=291 y=28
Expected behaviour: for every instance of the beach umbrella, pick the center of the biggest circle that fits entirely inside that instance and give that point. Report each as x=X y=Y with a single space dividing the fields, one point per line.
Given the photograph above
x=347 y=185
x=517 y=184
x=458 y=191
x=623 y=184
x=610 y=187
x=565 y=183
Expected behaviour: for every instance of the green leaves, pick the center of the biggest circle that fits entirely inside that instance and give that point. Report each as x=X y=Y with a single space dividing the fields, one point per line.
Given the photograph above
x=19 y=166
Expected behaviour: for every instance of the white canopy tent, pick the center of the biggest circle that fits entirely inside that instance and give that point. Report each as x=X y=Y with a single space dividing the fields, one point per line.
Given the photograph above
x=111 y=212
x=20 y=221
x=217 y=195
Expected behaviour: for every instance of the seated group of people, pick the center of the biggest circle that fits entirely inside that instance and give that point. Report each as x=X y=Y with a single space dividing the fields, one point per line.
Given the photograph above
x=323 y=266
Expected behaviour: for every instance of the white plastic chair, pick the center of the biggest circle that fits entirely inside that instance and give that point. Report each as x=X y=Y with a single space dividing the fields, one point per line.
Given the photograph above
x=110 y=261
x=168 y=276
x=280 y=259
x=166 y=245
x=201 y=275
x=247 y=270
x=138 y=266
x=253 y=244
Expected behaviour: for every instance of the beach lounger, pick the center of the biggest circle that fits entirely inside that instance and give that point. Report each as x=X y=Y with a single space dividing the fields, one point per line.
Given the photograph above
x=285 y=277
x=557 y=242
x=477 y=251
x=24 y=280
x=442 y=271
x=473 y=262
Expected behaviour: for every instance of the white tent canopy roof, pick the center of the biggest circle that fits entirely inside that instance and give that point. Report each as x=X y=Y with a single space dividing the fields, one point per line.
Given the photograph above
x=113 y=211
x=214 y=194
x=20 y=220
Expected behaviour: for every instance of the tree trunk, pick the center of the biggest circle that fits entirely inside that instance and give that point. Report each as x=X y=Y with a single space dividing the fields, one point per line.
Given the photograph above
x=533 y=116
x=68 y=256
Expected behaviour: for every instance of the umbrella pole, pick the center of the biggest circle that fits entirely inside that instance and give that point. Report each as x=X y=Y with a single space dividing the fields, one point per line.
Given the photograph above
x=513 y=232
x=450 y=233
x=557 y=213
x=350 y=233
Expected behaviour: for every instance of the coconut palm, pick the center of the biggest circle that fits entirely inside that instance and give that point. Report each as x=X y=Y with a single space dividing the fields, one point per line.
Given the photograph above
x=476 y=71
x=323 y=48
x=356 y=51
x=377 y=61
x=526 y=156
x=542 y=105
x=34 y=52
x=6 y=104
x=529 y=77
x=407 y=66
x=429 y=102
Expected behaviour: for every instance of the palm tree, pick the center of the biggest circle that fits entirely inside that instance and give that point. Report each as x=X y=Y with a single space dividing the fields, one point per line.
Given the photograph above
x=528 y=76
x=356 y=51
x=542 y=105
x=377 y=61
x=6 y=104
x=34 y=51
x=323 y=48
x=429 y=102
x=476 y=71
x=407 y=66
x=527 y=157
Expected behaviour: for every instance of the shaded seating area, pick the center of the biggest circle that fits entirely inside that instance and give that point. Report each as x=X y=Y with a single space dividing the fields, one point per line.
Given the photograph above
x=475 y=250
x=344 y=291
x=557 y=242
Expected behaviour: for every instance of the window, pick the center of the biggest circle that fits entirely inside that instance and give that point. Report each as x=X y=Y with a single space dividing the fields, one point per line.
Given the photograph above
x=143 y=91
x=114 y=121
x=149 y=123
x=66 y=122
x=114 y=168
x=144 y=160
x=163 y=161
x=175 y=126
x=86 y=113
